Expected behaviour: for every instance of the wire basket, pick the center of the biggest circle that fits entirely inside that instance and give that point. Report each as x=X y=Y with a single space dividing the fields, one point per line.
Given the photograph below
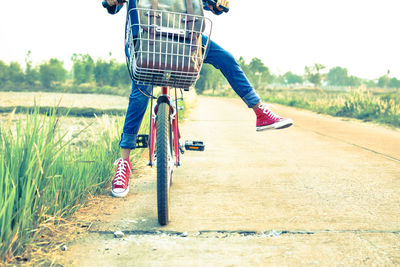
x=165 y=48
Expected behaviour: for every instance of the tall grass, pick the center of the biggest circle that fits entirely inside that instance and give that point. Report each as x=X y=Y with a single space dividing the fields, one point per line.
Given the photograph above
x=44 y=177
x=369 y=107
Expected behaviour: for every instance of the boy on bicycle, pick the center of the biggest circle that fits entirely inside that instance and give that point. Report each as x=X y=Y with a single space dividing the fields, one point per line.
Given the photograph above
x=220 y=59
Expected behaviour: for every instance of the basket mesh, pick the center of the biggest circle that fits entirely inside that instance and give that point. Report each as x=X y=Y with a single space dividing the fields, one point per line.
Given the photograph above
x=165 y=48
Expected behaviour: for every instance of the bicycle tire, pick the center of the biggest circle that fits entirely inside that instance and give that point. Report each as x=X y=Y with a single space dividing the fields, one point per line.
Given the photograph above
x=163 y=163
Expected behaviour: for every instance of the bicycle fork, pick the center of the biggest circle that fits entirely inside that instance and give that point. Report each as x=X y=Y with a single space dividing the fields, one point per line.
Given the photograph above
x=174 y=128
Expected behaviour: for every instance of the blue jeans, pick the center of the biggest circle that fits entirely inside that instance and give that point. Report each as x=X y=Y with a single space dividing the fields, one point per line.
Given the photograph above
x=216 y=56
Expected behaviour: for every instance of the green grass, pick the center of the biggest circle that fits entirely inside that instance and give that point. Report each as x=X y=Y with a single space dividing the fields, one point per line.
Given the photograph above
x=369 y=107
x=43 y=177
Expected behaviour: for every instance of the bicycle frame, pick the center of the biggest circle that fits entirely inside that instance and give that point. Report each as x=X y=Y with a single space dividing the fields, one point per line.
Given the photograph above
x=165 y=48
x=165 y=97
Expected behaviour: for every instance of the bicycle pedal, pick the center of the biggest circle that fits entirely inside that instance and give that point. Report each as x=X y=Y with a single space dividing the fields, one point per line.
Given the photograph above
x=142 y=141
x=195 y=145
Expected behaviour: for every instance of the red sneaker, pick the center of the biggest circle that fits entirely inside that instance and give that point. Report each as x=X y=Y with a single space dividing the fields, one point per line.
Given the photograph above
x=266 y=119
x=120 y=184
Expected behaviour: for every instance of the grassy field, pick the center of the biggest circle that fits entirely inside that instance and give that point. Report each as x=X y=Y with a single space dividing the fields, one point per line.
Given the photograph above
x=78 y=105
x=50 y=164
x=44 y=99
x=377 y=105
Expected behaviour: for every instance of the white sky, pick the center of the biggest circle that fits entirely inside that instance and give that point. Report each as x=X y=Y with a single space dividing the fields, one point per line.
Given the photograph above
x=360 y=35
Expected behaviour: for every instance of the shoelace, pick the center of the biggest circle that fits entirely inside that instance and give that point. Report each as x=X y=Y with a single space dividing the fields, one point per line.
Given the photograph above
x=121 y=171
x=266 y=110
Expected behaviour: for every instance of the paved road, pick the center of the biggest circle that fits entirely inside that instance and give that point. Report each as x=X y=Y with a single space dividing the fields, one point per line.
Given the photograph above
x=323 y=192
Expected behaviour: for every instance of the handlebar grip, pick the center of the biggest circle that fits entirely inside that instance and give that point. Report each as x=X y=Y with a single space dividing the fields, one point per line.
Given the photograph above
x=225 y=9
x=214 y=4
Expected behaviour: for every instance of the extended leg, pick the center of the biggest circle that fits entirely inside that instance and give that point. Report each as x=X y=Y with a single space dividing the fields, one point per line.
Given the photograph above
x=227 y=64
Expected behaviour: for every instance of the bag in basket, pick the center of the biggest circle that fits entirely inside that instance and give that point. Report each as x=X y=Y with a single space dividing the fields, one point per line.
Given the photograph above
x=170 y=38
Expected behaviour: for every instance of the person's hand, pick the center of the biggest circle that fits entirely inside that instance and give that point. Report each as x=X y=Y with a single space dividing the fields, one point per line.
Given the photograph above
x=224 y=3
x=113 y=3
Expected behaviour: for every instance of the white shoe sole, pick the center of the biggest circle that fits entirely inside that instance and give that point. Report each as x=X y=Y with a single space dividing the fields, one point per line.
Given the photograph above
x=120 y=194
x=285 y=123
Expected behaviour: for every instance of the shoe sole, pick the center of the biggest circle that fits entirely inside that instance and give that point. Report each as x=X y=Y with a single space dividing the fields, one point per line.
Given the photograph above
x=122 y=194
x=277 y=125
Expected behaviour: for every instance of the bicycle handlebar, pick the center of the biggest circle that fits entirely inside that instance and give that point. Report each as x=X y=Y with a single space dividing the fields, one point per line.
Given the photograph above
x=106 y=5
x=211 y=2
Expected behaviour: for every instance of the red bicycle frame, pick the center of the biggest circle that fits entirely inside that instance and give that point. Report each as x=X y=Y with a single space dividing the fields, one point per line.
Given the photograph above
x=174 y=129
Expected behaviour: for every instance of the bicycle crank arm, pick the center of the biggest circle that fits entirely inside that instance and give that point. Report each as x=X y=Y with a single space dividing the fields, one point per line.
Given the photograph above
x=181 y=149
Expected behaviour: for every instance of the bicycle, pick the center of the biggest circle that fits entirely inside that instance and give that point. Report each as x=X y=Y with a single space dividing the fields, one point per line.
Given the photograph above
x=161 y=54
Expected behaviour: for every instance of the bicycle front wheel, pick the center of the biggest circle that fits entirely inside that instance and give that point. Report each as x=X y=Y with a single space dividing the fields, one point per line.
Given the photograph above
x=164 y=162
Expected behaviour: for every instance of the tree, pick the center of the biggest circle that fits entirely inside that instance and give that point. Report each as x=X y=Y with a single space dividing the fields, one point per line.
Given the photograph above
x=52 y=71
x=243 y=65
x=201 y=83
x=15 y=73
x=31 y=74
x=83 y=68
x=258 y=73
x=394 y=83
x=353 y=81
x=102 y=72
x=120 y=74
x=291 y=78
x=3 y=74
x=210 y=78
x=337 y=76
x=370 y=83
x=313 y=73
x=383 y=81
x=278 y=79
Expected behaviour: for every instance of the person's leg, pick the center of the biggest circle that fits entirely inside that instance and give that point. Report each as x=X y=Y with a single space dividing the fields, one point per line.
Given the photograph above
x=227 y=64
x=133 y=119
